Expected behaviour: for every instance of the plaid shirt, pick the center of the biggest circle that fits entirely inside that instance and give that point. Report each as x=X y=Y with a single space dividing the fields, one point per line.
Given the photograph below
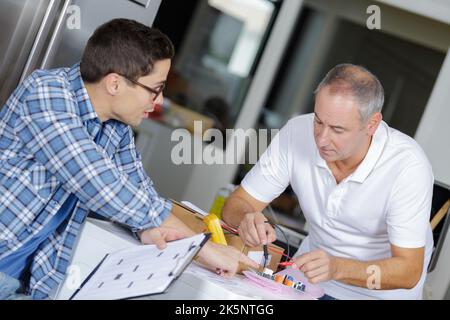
x=47 y=132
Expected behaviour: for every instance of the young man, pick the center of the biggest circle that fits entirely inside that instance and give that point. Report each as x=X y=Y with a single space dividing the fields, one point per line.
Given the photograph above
x=66 y=147
x=364 y=188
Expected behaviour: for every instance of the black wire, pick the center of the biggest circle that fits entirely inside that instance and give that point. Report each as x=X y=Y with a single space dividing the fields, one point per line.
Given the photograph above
x=273 y=226
x=285 y=237
x=287 y=240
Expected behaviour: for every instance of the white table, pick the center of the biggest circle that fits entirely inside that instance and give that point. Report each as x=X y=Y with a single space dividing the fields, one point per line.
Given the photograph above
x=99 y=238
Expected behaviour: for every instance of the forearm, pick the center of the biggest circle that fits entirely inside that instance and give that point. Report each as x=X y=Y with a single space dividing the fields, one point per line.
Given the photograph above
x=173 y=222
x=235 y=209
x=392 y=273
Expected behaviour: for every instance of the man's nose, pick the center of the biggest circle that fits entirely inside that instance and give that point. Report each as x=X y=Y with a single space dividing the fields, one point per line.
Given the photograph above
x=159 y=99
x=323 y=138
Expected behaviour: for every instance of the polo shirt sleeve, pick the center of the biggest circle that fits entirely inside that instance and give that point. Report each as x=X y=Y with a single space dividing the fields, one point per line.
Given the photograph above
x=270 y=176
x=408 y=215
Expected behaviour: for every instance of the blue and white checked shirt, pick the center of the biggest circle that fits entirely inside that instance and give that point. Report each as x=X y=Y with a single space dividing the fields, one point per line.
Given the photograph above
x=47 y=132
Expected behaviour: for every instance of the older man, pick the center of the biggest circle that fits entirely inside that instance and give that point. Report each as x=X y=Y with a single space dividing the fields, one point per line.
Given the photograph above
x=364 y=188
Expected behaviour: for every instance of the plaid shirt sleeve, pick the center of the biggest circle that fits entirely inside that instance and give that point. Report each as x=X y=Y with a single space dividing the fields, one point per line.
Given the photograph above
x=129 y=160
x=53 y=133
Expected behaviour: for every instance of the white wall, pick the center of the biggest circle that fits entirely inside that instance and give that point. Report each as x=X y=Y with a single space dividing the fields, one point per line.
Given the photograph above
x=404 y=21
x=436 y=9
x=433 y=133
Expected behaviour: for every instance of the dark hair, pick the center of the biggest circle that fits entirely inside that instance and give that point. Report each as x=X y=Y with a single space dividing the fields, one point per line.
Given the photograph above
x=358 y=82
x=126 y=47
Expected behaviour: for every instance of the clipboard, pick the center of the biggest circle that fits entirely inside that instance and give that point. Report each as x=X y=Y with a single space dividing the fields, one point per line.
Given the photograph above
x=139 y=271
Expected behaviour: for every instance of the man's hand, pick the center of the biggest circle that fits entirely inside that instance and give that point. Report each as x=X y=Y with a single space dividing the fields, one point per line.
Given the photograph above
x=224 y=260
x=159 y=236
x=317 y=265
x=254 y=230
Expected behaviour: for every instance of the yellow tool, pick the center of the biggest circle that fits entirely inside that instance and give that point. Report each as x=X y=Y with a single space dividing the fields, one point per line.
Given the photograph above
x=213 y=224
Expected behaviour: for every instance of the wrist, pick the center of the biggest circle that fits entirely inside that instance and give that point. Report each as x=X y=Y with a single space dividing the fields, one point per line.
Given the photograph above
x=336 y=273
x=203 y=252
x=138 y=235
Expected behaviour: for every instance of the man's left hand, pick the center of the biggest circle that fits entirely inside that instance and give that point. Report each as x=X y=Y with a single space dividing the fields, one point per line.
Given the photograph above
x=317 y=265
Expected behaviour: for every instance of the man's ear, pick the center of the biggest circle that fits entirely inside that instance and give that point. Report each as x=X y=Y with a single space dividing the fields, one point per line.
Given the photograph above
x=112 y=82
x=373 y=123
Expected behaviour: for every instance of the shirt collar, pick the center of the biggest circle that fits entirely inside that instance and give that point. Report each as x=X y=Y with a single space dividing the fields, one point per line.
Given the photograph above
x=379 y=140
x=374 y=153
x=319 y=160
x=87 y=111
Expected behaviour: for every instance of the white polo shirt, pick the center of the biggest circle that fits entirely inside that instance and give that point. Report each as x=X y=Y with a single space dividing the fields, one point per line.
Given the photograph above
x=386 y=200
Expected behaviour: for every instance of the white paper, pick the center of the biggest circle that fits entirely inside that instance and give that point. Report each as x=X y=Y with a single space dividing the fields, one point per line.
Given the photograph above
x=258 y=257
x=209 y=275
x=195 y=208
x=138 y=271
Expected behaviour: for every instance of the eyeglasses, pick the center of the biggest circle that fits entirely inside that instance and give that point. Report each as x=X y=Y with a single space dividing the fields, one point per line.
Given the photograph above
x=156 y=92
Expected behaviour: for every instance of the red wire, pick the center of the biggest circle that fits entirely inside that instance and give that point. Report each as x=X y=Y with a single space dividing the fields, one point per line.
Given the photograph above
x=228 y=228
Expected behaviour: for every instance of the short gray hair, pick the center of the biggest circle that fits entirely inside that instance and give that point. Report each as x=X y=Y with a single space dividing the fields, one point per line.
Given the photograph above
x=358 y=82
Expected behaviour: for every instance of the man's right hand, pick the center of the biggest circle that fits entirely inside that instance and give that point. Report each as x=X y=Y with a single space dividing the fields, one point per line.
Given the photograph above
x=255 y=231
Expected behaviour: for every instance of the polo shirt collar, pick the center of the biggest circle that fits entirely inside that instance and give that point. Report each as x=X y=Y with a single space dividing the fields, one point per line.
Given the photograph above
x=319 y=160
x=376 y=148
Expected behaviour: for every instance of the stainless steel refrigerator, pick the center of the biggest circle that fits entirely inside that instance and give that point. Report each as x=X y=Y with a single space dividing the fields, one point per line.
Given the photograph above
x=38 y=34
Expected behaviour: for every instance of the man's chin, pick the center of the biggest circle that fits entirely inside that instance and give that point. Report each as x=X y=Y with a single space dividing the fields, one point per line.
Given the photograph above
x=328 y=156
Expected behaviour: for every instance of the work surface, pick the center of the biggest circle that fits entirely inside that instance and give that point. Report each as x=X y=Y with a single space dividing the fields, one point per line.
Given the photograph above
x=100 y=237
